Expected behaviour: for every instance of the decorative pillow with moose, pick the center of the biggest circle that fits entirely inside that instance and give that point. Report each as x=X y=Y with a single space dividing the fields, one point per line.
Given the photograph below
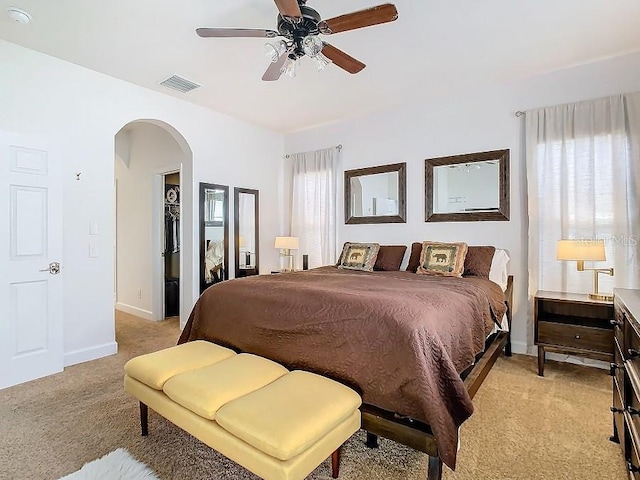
x=445 y=259
x=359 y=256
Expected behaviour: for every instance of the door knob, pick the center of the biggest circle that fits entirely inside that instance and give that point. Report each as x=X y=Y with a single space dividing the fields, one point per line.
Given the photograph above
x=54 y=268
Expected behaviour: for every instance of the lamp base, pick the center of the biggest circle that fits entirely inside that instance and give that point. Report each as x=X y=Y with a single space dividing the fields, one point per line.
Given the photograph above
x=286 y=263
x=601 y=296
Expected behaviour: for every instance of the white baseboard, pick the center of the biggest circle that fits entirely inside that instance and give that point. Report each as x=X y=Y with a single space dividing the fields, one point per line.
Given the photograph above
x=138 y=312
x=519 y=347
x=90 y=353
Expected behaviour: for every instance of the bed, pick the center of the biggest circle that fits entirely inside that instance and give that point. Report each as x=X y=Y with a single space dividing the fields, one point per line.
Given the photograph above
x=416 y=347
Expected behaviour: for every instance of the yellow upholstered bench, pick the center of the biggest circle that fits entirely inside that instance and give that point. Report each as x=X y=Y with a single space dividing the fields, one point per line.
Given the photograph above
x=278 y=424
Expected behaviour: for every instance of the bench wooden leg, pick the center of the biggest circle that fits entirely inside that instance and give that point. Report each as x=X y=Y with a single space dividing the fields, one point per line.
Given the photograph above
x=372 y=440
x=435 y=468
x=144 y=419
x=335 y=463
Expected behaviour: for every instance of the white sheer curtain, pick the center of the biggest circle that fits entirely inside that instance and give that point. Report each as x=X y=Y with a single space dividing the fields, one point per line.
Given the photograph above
x=583 y=173
x=313 y=204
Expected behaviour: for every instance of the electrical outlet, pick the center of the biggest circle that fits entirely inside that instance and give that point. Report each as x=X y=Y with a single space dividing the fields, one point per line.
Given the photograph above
x=139 y=293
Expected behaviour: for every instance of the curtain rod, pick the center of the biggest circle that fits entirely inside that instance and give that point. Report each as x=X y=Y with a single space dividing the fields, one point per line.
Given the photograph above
x=519 y=113
x=337 y=147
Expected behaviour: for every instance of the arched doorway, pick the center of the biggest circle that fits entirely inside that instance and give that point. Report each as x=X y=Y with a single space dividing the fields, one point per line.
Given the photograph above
x=153 y=221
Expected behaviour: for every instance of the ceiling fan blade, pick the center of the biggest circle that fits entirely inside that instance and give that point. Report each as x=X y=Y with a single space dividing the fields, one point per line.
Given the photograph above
x=275 y=69
x=342 y=60
x=364 y=18
x=289 y=8
x=235 y=32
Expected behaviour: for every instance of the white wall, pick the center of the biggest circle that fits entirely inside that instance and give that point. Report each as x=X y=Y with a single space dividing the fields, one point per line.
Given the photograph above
x=150 y=149
x=83 y=110
x=476 y=120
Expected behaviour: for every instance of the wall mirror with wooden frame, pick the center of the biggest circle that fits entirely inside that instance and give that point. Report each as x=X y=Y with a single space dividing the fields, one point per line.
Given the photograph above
x=376 y=194
x=467 y=188
x=246 y=231
x=214 y=234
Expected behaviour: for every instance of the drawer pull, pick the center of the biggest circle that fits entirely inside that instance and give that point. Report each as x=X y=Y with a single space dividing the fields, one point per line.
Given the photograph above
x=616 y=410
x=633 y=353
x=613 y=367
x=615 y=323
x=577 y=337
x=632 y=468
x=633 y=411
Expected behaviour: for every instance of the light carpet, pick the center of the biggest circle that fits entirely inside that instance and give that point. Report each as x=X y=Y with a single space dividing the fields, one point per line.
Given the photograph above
x=524 y=427
x=117 y=465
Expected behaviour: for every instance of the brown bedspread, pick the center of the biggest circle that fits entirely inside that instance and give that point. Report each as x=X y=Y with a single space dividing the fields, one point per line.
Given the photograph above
x=399 y=338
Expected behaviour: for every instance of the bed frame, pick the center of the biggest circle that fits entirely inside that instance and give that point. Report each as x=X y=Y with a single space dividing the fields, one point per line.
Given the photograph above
x=417 y=434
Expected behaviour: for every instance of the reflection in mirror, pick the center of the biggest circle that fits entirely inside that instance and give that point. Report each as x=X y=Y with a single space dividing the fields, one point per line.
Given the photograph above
x=214 y=234
x=376 y=194
x=468 y=187
x=246 y=237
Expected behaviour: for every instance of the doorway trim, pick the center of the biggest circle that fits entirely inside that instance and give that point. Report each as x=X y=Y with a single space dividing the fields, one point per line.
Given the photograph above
x=158 y=268
x=188 y=294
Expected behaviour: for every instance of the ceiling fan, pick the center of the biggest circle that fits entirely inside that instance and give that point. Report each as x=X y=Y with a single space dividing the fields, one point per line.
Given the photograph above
x=300 y=27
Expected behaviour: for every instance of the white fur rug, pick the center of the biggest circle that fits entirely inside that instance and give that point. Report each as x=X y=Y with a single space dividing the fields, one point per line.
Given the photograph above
x=117 y=465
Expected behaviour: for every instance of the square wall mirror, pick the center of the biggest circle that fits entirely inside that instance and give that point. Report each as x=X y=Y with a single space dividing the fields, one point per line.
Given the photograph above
x=466 y=188
x=375 y=194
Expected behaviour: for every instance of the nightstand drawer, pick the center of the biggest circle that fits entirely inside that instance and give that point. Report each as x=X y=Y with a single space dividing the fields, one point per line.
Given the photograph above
x=575 y=336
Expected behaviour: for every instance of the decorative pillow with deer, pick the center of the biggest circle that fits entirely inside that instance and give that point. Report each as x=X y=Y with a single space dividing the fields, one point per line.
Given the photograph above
x=445 y=259
x=359 y=256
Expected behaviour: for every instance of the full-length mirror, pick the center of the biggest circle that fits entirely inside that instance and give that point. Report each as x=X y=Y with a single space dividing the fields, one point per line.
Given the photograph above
x=464 y=188
x=246 y=238
x=214 y=234
x=375 y=194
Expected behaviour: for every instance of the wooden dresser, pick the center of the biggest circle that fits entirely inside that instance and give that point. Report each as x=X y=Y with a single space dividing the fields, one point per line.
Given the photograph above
x=625 y=371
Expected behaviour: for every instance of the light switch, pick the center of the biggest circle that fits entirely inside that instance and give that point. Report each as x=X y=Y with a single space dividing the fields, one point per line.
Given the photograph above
x=93 y=228
x=93 y=250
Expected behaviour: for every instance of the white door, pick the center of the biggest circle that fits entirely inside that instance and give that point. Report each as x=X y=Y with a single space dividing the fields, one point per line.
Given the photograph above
x=31 y=329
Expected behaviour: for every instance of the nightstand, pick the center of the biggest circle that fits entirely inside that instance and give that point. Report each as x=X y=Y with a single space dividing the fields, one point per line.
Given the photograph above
x=247 y=272
x=574 y=324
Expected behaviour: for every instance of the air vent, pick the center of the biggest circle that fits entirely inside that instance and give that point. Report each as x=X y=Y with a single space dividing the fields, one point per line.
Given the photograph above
x=176 y=82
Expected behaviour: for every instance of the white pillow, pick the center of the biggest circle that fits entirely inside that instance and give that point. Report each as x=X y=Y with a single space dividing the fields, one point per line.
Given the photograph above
x=498 y=271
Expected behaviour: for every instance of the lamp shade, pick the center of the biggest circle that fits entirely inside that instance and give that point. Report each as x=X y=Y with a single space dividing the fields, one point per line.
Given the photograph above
x=581 y=250
x=290 y=243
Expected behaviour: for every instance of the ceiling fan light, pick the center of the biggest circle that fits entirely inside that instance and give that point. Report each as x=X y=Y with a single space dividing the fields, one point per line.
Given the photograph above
x=322 y=62
x=271 y=52
x=290 y=66
x=274 y=50
x=312 y=45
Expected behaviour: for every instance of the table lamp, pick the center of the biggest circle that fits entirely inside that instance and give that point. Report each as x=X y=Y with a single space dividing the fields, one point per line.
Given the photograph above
x=586 y=250
x=286 y=244
x=242 y=243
